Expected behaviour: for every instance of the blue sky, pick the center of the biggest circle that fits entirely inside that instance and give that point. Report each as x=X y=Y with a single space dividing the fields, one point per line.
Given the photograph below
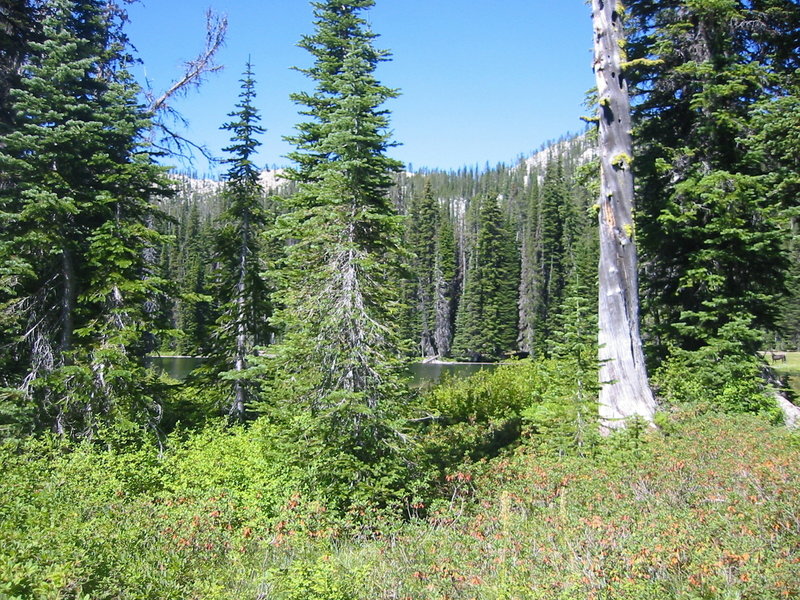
x=480 y=80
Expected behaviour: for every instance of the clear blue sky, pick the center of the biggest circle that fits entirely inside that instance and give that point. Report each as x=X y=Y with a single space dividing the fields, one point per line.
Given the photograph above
x=480 y=80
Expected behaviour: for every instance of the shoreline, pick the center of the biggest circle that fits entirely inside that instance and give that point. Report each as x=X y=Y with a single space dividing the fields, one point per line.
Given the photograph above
x=456 y=362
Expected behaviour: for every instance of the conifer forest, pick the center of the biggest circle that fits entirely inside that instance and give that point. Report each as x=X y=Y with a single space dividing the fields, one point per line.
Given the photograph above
x=631 y=292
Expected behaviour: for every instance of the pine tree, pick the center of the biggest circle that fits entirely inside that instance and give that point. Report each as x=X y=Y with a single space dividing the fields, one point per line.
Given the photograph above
x=17 y=28
x=337 y=359
x=244 y=294
x=530 y=269
x=422 y=237
x=195 y=312
x=554 y=203
x=445 y=284
x=75 y=227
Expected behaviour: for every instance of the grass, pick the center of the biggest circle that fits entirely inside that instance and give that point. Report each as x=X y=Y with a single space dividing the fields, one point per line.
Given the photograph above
x=789 y=369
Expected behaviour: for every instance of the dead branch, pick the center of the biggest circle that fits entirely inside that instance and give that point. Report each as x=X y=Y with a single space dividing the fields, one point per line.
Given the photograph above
x=195 y=73
x=196 y=70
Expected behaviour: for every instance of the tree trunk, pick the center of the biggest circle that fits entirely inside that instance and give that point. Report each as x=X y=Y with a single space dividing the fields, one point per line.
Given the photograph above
x=240 y=363
x=625 y=391
x=68 y=295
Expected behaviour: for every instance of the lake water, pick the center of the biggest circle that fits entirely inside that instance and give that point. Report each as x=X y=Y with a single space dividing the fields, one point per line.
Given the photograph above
x=179 y=367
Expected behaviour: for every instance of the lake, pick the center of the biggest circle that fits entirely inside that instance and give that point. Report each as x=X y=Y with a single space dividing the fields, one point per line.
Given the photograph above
x=179 y=367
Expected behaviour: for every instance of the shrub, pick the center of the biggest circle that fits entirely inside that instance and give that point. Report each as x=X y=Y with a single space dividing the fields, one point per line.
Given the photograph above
x=549 y=403
x=720 y=376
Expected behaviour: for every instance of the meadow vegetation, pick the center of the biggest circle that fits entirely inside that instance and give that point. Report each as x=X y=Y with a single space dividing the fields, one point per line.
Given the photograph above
x=498 y=489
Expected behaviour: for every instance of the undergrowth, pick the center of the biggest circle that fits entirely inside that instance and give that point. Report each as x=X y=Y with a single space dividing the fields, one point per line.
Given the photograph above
x=509 y=493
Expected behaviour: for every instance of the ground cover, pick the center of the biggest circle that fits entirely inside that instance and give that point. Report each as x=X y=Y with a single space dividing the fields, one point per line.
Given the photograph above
x=706 y=507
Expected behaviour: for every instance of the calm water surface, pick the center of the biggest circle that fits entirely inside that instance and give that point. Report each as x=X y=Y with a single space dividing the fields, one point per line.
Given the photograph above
x=179 y=367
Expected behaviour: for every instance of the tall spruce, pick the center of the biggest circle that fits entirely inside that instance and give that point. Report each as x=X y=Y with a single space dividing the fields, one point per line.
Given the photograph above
x=422 y=239
x=18 y=26
x=195 y=314
x=243 y=292
x=445 y=284
x=337 y=359
x=554 y=203
x=530 y=271
x=486 y=325
x=625 y=390
x=74 y=230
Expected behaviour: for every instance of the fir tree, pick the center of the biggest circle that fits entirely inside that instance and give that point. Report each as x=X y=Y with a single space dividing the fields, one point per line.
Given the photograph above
x=422 y=239
x=75 y=229
x=711 y=230
x=18 y=26
x=530 y=269
x=195 y=312
x=486 y=325
x=554 y=203
x=246 y=308
x=445 y=284
x=337 y=357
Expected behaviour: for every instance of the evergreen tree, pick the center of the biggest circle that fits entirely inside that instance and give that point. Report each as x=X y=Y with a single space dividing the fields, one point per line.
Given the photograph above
x=711 y=230
x=555 y=202
x=18 y=27
x=445 y=284
x=545 y=244
x=74 y=226
x=337 y=359
x=422 y=238
x=530 y=269
x=486 y=325
x=246 y=308
x=195 y=312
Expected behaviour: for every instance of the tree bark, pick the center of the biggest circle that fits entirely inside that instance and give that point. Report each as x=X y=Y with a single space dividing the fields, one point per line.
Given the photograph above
x=240 y=363
x=68 y=296
x=625 y=391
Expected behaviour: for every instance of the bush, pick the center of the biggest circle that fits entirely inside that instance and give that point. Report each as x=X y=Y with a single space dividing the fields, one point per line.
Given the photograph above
x=548 y=403
x=718 y=377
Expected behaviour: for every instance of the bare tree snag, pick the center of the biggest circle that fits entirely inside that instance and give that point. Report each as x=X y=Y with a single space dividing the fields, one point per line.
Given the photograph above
x=195 y=72
x=625 y=391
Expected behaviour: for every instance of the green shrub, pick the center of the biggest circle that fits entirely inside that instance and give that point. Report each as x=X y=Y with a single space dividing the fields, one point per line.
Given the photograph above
x=311 y=578
x=552 y=403
x=719 y=377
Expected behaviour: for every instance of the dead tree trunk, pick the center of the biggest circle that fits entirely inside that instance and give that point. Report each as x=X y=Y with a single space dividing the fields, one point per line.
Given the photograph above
x=240 y=362
x=625 y=391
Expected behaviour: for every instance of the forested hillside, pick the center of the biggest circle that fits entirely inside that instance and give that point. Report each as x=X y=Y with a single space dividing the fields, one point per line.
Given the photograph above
x=546 y=232
x=608 y=447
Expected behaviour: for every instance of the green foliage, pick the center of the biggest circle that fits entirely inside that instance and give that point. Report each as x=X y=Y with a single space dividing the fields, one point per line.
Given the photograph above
x=710 y=220
x=86 y=521
x=699 y=507
x=720 y=376
x=647 y=516
x=486 y=324
x=76 y=203
x=313 y=579
x=540 y=401
x=196 y=312
x=423 y=228
x=334 y=382
x=239 y=286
